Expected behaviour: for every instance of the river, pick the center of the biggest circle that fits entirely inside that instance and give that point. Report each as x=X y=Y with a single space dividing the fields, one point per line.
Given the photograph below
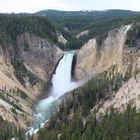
x=61 y=83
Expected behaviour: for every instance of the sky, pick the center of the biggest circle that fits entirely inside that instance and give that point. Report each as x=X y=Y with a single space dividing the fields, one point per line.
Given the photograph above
x=31 y=6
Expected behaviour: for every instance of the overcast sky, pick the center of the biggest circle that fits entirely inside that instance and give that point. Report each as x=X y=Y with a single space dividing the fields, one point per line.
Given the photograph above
x=37 y=5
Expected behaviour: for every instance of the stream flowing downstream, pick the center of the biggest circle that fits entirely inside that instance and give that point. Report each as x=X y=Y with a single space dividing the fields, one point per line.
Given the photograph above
x=61 y=83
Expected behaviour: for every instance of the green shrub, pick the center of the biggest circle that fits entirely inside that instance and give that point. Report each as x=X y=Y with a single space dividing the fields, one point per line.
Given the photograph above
x=22 y=94
x=21 y=72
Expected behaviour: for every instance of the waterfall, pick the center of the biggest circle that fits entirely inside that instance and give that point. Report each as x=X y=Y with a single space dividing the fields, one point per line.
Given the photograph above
x=61 y=80
x=61 y=83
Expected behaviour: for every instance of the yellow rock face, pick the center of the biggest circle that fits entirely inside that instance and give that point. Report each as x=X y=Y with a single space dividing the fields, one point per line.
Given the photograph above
x=92 y=60
x=41 y=60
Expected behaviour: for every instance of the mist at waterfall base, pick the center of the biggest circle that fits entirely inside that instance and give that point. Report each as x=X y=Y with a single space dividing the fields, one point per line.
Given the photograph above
x=61 y=83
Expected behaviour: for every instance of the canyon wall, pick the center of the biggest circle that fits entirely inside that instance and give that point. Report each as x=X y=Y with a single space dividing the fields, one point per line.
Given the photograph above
x=93 y=59
x=39 y=58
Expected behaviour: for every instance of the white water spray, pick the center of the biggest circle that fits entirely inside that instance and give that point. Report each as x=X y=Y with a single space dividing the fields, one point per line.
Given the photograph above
x=61 y=83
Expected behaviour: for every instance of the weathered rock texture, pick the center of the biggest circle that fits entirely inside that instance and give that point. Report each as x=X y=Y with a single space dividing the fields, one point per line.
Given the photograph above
x=92 y=59
x=40 y=58
x=61 y=39
x=129 y=93
x=84 y=33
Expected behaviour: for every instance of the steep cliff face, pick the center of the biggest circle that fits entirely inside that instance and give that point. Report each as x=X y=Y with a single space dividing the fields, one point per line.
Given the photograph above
x=61 y=39
x=129 y=93
x=92 y=59
x=16 y=99
x=38 y=55
x=13 y=108
x=86 y=59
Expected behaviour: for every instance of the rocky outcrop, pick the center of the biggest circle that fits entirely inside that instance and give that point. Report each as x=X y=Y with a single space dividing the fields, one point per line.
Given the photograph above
x=40 y=58
x=61 y=39
x=129 y=93
x=38 y=55
x=84 y=33
x=92 y=59
x=86 y=59
x=10 y=100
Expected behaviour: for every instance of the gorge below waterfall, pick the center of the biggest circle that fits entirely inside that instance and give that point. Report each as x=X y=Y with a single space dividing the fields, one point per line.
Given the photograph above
x=61 y=83
x=69 y=75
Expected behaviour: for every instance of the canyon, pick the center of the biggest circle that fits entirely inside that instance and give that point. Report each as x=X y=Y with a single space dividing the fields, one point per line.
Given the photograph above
x=45 y=82
x=42 y=57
